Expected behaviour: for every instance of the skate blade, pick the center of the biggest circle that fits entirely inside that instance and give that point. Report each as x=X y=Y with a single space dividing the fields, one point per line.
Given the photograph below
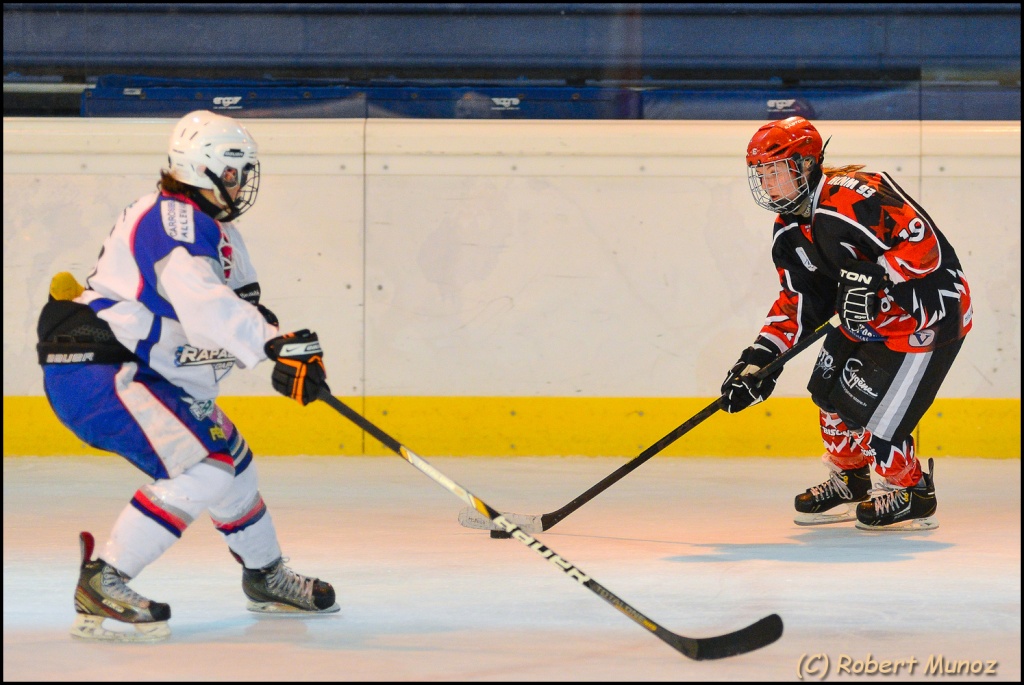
x=928 y=523
x=827 y=517
x=88 y=627
x=287 y=609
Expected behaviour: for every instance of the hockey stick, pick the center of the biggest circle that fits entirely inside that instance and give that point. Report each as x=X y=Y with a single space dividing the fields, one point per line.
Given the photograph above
x=536 y=524
x=754 y=636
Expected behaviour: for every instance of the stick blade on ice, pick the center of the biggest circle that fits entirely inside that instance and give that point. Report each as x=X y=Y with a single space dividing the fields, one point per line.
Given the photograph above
x=753 y=637
x=471 y=518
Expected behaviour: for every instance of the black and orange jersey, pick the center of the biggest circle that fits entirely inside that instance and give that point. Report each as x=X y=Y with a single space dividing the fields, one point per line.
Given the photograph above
x=868 y=217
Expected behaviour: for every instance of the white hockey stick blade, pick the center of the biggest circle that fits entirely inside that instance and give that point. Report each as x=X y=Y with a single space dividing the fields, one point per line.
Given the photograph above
x=471 y=518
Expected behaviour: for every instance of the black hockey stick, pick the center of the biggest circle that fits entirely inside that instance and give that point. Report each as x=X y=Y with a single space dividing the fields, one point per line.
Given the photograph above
x=536 y=524
x=755 y=636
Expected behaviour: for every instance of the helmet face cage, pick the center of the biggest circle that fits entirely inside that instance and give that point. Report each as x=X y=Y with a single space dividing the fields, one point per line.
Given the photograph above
x=777 y=158
x=216 y=153
x=785 y=178
x=246 y=179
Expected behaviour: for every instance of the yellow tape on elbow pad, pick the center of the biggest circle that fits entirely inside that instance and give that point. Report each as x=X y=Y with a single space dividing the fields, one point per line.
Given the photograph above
x=64 y=286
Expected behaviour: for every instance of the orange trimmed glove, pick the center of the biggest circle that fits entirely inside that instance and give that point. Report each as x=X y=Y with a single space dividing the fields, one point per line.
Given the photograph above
x=299 y=371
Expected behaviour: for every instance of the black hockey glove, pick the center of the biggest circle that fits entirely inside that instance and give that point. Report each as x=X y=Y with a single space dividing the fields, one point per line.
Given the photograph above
x=741 y=388
x=268 y=315
x=299 y=372
x=859 y=283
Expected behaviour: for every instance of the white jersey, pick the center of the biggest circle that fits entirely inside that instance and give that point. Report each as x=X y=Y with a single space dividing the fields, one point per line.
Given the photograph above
x=165 y=281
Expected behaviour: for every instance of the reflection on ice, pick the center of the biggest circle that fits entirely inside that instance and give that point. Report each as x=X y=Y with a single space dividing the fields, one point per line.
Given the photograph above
x=703 y=546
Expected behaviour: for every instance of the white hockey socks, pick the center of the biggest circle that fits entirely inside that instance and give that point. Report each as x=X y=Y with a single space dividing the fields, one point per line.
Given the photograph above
x=160 y=512
x=243 y=519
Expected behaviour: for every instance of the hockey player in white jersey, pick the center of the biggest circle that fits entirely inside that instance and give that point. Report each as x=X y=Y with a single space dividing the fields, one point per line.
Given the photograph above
x=132 y=365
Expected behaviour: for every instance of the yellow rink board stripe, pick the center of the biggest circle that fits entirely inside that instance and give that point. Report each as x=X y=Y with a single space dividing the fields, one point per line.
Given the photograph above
x=543 y=426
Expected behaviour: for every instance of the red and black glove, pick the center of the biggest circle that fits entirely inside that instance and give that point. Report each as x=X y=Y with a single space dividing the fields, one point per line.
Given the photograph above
x=299 y=371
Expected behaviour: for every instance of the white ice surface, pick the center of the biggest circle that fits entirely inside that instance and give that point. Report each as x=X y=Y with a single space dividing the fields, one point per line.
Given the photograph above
x=702 y=546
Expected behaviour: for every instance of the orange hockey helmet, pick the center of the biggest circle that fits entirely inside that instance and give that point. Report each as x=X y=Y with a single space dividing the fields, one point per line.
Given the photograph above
x=775 y=168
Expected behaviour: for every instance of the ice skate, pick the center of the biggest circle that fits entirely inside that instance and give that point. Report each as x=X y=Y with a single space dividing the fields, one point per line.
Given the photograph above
x=835 y=500
x=277 y=589
x=103 y=594
x=902 y=508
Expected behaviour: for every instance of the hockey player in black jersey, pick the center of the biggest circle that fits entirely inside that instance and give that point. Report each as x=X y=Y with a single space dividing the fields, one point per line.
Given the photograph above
x=855 y=243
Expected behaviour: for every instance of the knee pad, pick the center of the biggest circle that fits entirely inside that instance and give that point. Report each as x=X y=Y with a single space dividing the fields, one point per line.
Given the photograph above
x=239 y=498
x=187 y=495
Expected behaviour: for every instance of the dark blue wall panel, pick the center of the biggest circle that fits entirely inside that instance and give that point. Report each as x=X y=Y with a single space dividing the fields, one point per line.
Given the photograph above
x=639 y=39
x=611 y=60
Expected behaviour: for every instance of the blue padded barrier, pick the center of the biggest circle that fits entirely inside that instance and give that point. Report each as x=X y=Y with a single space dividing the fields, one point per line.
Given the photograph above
x=503 y=103
x=231 y=98
x=125 y=96
x=901 y=101
x=120 y=96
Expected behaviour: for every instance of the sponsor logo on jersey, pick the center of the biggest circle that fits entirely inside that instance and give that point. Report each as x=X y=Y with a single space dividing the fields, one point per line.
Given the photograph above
x=178 y=221
x=805 y=259
x=199 y=408
x=854 y=382
x=834 y=431
x=227 y=102
x=864 y=333
x=826 y=364
x=923 y=338
x=220 y=360
x=505 y=103
x=250 y=293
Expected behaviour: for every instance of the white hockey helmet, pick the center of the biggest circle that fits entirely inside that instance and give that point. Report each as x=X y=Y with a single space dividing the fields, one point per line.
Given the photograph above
x=217 y=153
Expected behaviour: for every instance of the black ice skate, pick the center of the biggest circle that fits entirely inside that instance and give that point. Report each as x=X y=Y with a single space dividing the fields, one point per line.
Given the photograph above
x=103 y=593
x=902 y=508
x=277 y=589
x=835 y=500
